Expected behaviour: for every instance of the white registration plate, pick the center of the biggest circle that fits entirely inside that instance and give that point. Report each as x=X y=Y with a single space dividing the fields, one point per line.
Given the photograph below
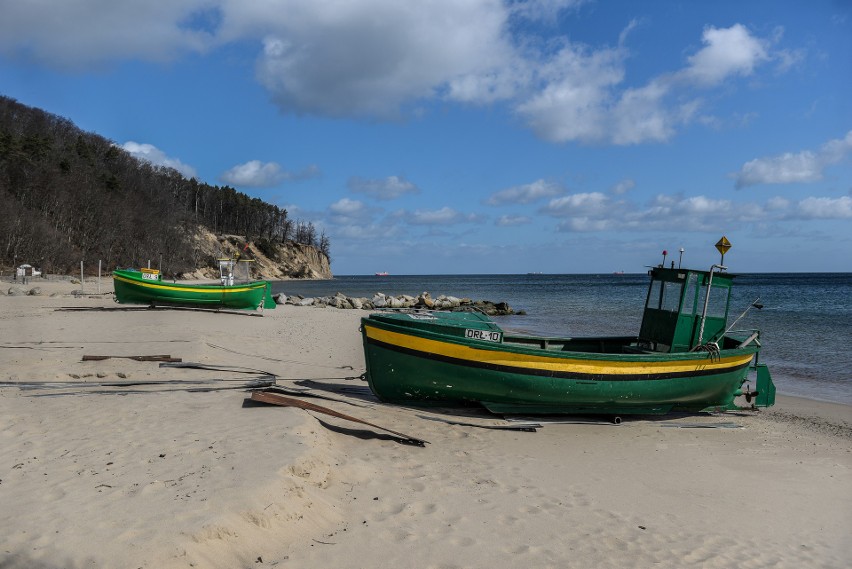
x=486 y=335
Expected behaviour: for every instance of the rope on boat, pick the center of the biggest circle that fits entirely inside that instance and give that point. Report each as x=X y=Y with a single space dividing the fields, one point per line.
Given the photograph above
x=712 y=349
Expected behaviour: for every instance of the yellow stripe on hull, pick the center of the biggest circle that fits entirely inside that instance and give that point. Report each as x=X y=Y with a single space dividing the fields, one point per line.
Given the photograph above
x=209 y=289
x=610 y=366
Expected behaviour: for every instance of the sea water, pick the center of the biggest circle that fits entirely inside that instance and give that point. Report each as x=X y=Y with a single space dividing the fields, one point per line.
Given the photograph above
x=805 y=322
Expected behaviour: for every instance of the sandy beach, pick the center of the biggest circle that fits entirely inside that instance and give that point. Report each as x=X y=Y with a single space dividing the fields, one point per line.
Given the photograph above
x=124 y=463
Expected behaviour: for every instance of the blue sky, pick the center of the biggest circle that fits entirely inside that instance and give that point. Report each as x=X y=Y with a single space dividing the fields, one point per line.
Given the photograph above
x=479 y=136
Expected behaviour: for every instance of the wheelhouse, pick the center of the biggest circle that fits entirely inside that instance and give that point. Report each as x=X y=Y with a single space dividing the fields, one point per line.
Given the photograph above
x=684 y=309
x=233 y=270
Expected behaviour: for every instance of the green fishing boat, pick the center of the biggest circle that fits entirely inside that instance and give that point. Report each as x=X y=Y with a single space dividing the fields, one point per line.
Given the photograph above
x=146 y=286
x=685 y=358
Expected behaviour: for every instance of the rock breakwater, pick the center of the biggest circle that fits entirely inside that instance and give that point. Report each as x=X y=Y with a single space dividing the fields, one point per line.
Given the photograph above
x=423 y=301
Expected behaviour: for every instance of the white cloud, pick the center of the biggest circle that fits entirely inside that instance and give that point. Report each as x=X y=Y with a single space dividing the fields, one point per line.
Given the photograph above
x=437 y=217
x=346 y=212
x=525 y=193
x=369 y=58
x=254 y=174
x=512 y=220
x=582 y=96
x=596 y=212
x=703 y=213
x=345 y=206
x=366 y=233
x=836 y=150
x=576 y=90
x=777 y=203
x=444 y=216
x=383 y=58
x=586 y=224
x=727 y=51
x=353 y=220
x=825 y=208
x=580 y=204
x=544 y=10
x=622 y=187
x=257 y=174
x=498 y=82
x=640 y=115
x=75 y=34
x=655 y=111
x=702 y=205
x=802 y=167
x=154 y=155
x=787 y=59
x=785 y=169
x=645 y=114
x=388 y=188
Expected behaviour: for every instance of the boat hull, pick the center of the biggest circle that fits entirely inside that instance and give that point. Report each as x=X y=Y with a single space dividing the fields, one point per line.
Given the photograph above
x=419 y=367
x=131 y=288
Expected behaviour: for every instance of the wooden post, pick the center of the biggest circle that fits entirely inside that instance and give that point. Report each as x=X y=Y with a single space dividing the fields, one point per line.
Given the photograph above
x=99 y=276
x=82 y=281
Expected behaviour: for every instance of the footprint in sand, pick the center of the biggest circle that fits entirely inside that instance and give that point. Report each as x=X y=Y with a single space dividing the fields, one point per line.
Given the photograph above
x=211 y=533
x=396 y=510
x=462 y=541
x=399 y=535
x=257 y=518
x=421 y=509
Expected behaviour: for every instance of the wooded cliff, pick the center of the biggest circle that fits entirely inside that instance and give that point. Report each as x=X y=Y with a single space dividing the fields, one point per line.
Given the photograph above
x=69 y=196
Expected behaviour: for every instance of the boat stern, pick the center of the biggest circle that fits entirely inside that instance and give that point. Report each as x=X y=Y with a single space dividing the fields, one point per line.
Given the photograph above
x=268 y=301
x=764 y=396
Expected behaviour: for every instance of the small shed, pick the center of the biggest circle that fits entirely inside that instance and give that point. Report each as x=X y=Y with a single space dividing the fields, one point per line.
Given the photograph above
x=26 y=270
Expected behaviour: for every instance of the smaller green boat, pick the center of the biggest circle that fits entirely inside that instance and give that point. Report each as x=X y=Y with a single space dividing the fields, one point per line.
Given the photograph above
x=146 y=286
x=685 y=358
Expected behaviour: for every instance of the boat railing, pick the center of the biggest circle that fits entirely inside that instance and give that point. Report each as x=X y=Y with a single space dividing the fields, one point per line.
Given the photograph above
x=745 y=337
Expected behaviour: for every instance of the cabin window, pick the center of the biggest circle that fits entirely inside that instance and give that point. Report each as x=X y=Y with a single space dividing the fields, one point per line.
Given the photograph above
x=671 y=296
x=718 y=304
x=664 y=295
x=654 y=294
x=689 y=297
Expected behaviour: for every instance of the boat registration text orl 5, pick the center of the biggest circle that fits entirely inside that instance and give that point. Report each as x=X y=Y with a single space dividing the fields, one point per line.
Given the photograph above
x=150 y=274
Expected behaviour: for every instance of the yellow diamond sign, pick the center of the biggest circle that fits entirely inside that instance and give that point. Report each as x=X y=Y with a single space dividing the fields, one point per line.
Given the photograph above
x=723 y=245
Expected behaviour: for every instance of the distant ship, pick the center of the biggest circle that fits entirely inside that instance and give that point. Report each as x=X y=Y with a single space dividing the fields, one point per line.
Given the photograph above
x=618 y=273
x=382 y=274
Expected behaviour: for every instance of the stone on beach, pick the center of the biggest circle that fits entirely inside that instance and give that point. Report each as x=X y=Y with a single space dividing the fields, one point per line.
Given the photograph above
x=381 y=300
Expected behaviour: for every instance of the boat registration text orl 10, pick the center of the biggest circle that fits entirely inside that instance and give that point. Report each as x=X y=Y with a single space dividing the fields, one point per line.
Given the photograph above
x=487 y=335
